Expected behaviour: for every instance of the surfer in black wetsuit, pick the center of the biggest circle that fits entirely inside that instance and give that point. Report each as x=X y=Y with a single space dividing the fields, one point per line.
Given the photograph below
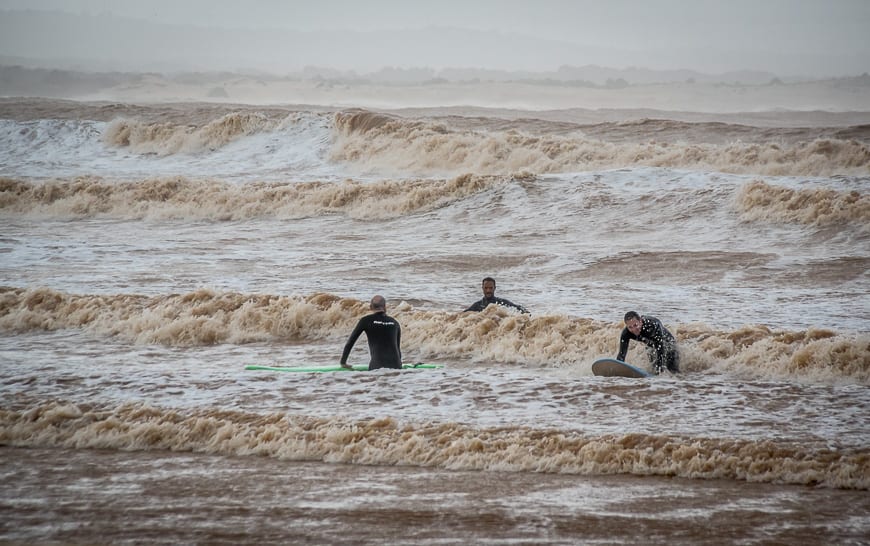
x=489 y=298
x=384 y=336
x=661 y=345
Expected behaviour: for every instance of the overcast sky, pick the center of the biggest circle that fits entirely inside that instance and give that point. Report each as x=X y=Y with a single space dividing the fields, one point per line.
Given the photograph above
x=789 y=37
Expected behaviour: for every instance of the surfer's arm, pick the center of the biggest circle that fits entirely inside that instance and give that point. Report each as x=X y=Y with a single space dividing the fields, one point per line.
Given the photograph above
x=476 y=306
x=518 y=307
x=623 y=345
x=350 y=343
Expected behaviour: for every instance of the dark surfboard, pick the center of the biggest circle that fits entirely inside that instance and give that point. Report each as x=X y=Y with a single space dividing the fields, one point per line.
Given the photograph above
x=610 y=367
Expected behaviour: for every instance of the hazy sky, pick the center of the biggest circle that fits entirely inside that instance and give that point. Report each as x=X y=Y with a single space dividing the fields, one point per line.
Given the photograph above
x=814 y=37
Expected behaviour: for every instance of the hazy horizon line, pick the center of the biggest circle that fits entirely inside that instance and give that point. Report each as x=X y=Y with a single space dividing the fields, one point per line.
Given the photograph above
x=567 y=75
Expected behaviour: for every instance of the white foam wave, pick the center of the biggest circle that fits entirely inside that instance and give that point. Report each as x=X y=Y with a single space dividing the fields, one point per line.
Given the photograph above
x=61 y=148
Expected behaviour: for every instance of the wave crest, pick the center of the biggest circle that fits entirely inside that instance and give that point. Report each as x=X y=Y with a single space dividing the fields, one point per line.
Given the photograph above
x=819 y=207
x=363 y=121
x=178 y=197
x=168 y=138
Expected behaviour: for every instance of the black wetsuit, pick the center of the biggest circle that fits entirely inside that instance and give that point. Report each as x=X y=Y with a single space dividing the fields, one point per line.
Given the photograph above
x=385 y=337
x=661 y=345
x=482 y=303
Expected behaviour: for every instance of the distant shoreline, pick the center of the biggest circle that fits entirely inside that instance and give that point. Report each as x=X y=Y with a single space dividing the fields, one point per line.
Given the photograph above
x=823 y=103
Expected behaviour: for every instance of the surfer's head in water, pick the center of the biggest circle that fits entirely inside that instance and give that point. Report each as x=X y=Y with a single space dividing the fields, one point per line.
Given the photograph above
x=488 y=285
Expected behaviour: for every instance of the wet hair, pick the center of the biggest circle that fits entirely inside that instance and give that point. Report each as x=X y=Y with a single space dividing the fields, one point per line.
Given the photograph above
x=487 y=279
x=378 y=302
x=630 y=315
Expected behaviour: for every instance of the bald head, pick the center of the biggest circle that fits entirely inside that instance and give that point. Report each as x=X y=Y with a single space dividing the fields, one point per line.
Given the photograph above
x=378 y=303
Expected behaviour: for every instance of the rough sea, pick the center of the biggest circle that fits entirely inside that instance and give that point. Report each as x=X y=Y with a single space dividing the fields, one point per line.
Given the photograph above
x=148 y=253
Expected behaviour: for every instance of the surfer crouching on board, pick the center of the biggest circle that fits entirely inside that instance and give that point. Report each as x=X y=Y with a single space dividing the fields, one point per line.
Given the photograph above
x=661 y=345
x=384 y=336
x=489 y=298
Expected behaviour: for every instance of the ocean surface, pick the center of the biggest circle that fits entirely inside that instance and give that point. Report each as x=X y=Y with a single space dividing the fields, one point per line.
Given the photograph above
x=148 y=253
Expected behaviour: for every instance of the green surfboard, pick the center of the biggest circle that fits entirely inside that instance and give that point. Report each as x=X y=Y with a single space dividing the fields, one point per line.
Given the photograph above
x=322 y=369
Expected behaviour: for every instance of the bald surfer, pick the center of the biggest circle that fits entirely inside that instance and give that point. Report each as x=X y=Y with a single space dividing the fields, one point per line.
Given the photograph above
x=384 y=336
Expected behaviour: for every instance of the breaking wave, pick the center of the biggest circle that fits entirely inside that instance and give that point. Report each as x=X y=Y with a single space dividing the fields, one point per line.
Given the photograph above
x=178 y=197
x=819 y=207
x=168 y=138
x=136 y=426
x=208 y=317
x=376 y=141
